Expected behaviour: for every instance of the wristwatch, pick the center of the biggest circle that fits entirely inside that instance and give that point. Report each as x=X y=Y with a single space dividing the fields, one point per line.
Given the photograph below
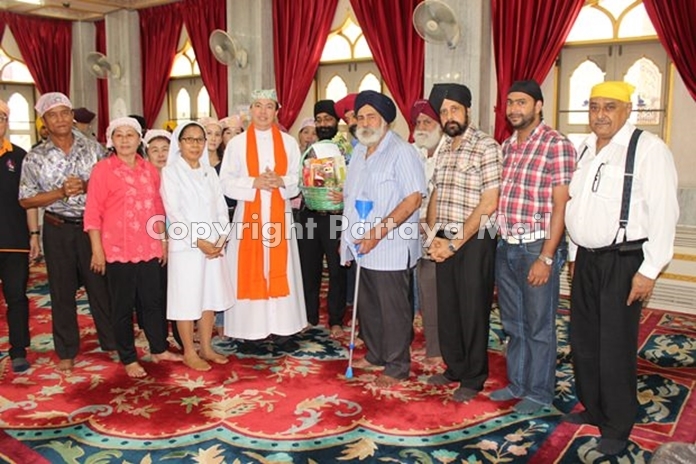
x=451 y=247
x=546 y=260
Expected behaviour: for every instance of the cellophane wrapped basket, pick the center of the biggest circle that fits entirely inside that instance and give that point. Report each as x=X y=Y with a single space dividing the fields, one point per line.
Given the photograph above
x=322 y=170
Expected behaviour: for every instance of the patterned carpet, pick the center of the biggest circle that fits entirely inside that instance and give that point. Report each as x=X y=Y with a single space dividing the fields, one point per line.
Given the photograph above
x=270 y=407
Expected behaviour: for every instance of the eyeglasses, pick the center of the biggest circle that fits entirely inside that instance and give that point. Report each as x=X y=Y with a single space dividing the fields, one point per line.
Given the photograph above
x=193 y=140
x=597 y=178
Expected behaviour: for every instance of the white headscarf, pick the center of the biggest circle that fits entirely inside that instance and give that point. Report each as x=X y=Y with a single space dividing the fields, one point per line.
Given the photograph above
x=121 y=122
x=187 y=176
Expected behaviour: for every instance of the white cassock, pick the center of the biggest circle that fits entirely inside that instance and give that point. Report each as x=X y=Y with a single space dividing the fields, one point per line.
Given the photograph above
x=194 y=283
x=256 y=319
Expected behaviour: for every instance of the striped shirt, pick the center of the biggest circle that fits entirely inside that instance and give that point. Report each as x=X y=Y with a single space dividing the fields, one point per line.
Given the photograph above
x=393 y=172
x=462 y=175
x=531 y=169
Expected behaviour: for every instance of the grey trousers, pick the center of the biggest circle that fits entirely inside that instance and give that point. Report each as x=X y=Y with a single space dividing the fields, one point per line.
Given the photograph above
x=386 y=319
x=427 y=289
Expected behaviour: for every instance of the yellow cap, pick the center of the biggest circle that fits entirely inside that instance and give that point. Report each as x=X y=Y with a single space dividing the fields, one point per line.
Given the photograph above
x=39 y=123
x=170 y=125
x=618 y=90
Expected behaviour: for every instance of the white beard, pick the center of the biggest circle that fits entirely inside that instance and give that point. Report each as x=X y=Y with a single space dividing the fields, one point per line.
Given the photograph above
x=369 y=136
x=427 y=140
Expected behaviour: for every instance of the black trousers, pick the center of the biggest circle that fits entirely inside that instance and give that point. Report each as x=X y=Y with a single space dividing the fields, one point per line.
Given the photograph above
x=604 y=339
x=312 y=252
x=14 y=273
x=128 y=283
x=385 y=309
x=464 y=298
x=68 y=254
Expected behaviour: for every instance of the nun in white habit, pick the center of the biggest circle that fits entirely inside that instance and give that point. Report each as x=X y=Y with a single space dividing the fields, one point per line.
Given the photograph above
x=260 y=170
x=198 y=278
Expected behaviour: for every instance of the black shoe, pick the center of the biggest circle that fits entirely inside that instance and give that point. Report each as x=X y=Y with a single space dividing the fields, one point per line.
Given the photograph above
x=286 y=344
x=577 y=418
x=463 y=394
x=20 y=365
x=439 y=379
x=611 y=446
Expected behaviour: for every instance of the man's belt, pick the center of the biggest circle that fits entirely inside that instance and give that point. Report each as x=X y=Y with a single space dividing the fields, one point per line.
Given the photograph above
x=522 y=240
x=58 y=219
x=624 y=247
x=319 y=212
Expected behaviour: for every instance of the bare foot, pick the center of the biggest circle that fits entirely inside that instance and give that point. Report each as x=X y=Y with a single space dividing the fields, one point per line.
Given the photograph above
x=336 y=331
x=65 y=365
x=215 y=357
x=196 y=363
x=362 y=363
x=166 y=356
x=135 y=370
x=386 y=381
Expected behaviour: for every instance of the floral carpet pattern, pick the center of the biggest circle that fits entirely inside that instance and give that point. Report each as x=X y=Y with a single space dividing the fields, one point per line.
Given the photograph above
x=268 y=406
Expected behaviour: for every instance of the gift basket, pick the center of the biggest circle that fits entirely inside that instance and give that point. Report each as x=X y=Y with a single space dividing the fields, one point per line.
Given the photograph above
x=323 y=169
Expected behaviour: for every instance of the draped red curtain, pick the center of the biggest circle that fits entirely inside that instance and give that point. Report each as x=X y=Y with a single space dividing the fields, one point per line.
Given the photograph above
x=203 y=17
x=527 y=37
x=102 y=85
x=675 y=23
x=2 y=24
x=45 y=45
x=300 y=30
x=160 y=28
x=398 y=50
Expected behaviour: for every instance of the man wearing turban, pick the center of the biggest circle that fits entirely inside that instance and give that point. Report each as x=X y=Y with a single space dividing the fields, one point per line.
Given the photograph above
x=55 y=176
x=386 y=171
x=467 y=181
x=19 y=237
x=260 y=170
x=427 y=136
x=621 y=248
x=538 y=163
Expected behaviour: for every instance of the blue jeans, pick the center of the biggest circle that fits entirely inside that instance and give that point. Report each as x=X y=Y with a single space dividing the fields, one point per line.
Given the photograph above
x=529 y=319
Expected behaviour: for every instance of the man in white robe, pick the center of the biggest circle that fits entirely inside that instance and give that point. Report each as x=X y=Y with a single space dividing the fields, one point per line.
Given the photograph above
x=270 y=299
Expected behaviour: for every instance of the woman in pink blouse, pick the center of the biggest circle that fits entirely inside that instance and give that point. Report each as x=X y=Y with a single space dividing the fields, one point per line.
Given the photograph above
x=123 y=196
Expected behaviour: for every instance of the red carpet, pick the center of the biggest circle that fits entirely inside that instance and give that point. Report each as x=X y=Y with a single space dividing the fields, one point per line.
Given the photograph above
x=267 y=406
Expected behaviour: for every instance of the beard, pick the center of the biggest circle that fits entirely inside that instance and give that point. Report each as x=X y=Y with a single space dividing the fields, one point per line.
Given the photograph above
x=369 y=136
x=427 y=139
x=353 y=128
x=523 y=122
x=326 y=132
x=455 y=128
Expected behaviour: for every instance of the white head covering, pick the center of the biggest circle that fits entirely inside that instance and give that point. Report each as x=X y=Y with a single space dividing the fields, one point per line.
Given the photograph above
x=50 y=100
x=121 y=122
x=175 y=147
x=156 y=134
x=206 y=121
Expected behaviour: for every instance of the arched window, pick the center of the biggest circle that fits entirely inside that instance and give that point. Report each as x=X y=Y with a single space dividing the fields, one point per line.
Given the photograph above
x=346 y=64
x=17 y=89
x=188 y=97
x=612 y=40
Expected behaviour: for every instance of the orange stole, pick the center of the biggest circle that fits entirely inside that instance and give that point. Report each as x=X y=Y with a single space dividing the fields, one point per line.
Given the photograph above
x=251 y=280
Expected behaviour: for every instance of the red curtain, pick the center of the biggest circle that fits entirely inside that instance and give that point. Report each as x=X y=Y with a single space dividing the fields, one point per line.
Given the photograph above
x=45 y=45
x=2 y=24
x=675 y=23
x=102 y=85
x=203 y=17
x=300 y=30
x=160 y=28
x=398 y=50
x=527 y=37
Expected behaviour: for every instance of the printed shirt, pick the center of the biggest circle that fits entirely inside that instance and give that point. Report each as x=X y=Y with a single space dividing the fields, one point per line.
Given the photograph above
x=531 y=169
x=46 y=167
x=389 y=175
x=462 y=175
x=120 y=203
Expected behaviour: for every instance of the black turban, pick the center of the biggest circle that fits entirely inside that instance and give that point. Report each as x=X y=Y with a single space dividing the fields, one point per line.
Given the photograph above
x=380 y=102
x=530 y=87
x=325 y=106
x=456 y=92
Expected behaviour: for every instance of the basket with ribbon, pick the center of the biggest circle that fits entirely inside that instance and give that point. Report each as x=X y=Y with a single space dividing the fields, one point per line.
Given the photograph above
x=323 y=170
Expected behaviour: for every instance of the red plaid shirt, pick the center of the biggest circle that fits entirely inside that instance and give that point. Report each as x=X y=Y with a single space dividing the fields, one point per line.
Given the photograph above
x=531 y=170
